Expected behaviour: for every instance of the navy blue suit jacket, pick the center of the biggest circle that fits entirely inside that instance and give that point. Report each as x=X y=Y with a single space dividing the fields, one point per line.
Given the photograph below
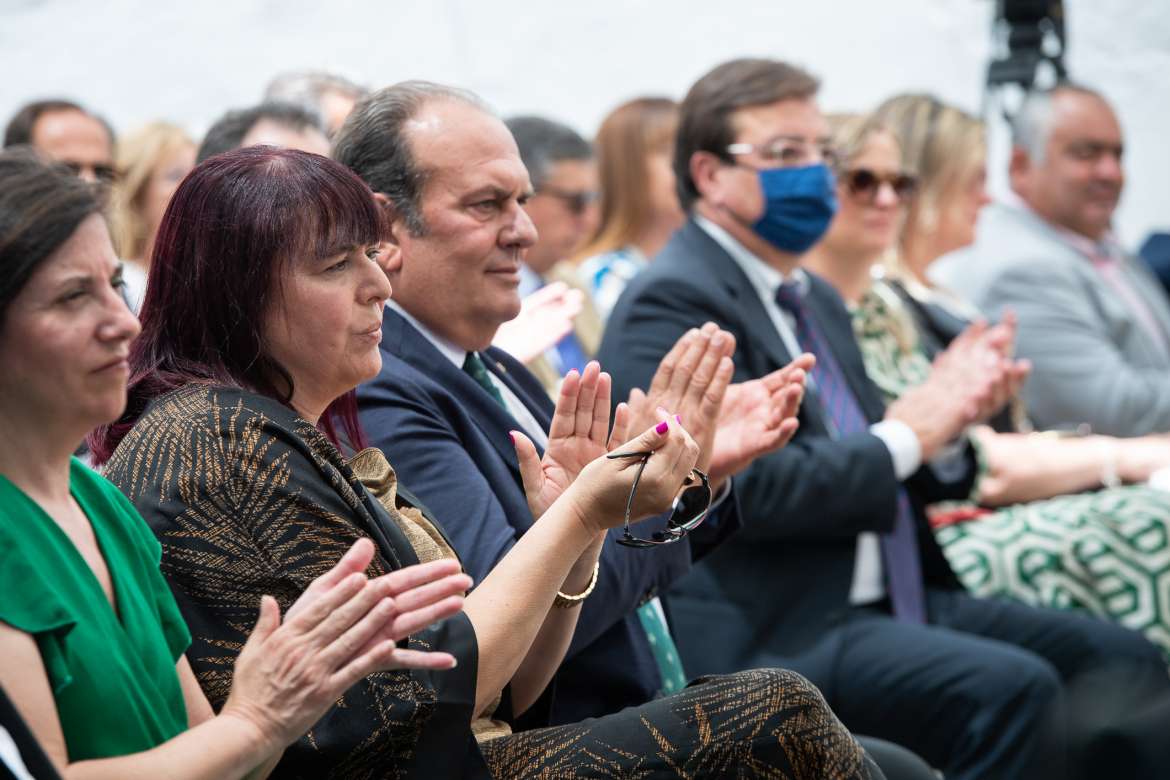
x=772 y=594
x=448 y=441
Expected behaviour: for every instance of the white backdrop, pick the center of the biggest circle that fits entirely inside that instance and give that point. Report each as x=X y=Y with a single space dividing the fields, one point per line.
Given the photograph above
x=137 y=60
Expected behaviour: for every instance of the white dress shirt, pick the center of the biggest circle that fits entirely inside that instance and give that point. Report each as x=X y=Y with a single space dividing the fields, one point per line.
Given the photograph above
x=905 y=449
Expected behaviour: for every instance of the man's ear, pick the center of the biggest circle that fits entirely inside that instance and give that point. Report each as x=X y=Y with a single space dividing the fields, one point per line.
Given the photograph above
x=1019 y=166
x=394 y=222
x=390 y=250
x=704 y=168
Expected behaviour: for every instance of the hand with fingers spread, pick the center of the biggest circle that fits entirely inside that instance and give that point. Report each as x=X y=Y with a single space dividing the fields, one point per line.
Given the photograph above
x=690 y=381
x=546 y=316
x=579 y=434
x=758 y=417
x=733 y=424
x=342 y=628
x=600 y=492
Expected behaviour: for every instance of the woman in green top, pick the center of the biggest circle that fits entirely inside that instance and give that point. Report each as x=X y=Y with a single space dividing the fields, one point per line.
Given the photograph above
x=1050 y=523
x=91 y=640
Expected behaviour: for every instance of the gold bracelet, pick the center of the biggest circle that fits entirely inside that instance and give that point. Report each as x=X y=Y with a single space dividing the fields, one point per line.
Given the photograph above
x=566 y=602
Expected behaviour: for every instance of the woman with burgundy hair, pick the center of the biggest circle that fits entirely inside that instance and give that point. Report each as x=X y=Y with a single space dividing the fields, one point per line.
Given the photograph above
x=92 y=645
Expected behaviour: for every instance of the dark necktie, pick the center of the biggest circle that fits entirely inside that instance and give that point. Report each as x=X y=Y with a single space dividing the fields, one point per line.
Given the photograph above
x=903 y=567
x=473 y=366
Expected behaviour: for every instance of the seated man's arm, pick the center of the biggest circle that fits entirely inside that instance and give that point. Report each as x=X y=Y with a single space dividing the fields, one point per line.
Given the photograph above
x=809 y=489
x=1078 y=375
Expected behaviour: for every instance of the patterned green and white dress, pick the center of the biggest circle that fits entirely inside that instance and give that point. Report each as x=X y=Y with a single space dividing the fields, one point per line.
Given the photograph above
x=1105 y=551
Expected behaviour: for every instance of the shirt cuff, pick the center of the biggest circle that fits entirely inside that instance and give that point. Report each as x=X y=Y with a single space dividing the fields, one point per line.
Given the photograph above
x=905 y=449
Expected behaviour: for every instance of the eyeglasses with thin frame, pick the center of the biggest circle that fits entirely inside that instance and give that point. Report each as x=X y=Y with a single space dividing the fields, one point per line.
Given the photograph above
x=575 y=201
x=864 y=184
x=789 y=151
x=690 y=508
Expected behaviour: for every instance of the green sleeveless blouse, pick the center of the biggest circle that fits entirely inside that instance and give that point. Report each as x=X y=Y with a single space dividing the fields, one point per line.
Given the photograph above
x=112 y=672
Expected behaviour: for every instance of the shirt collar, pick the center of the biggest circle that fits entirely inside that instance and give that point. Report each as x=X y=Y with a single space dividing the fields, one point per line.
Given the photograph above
x=456 y=354
x=1107 y=248
x=764 y=278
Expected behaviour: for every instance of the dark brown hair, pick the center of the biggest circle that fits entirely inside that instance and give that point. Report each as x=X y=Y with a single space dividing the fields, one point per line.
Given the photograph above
x=41 y=205
x=19 y=131
x=705 y=115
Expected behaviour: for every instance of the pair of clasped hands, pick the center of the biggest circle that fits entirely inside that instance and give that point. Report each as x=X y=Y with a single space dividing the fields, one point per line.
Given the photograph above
x=346 y=625
x=969 y=382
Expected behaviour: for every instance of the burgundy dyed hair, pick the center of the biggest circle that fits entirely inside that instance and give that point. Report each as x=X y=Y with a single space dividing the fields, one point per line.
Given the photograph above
x=226 y=242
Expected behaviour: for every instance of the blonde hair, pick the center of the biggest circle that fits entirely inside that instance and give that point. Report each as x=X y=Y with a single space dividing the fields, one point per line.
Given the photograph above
x=850 y=134
x=940 y=144
x=137 y=157
x=626 y=139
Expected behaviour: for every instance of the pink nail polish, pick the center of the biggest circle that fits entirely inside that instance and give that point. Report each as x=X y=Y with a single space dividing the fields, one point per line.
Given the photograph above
x=662 y=427
x=678 y=419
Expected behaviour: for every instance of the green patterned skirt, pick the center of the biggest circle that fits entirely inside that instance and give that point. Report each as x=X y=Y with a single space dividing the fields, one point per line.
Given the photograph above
x=1106 y=552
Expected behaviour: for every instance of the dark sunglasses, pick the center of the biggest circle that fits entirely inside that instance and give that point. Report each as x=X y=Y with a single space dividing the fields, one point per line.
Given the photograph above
x=576 y=202
x=690 y=508
x=864 y=183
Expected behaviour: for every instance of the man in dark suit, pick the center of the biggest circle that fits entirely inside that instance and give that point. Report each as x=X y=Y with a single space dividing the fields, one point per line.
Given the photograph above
x=446 y=404
x=836 y=573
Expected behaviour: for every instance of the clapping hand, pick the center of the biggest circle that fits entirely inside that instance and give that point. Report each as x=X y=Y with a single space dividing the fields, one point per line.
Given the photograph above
x=579 y=434
x=342 y=628
x=601 y=491
x=758 y=417
x=968 y=383
x=732 y=424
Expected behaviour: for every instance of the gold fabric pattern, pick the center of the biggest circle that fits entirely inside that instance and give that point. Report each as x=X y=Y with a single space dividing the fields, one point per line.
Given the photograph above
x=378 y=476
x=765 y=723
x=240 y=513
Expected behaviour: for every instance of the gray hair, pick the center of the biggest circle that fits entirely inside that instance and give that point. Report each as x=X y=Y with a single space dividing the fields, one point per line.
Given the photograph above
x=543 y=143
x=308 y=87
x=374 y=145
x=1032 y=124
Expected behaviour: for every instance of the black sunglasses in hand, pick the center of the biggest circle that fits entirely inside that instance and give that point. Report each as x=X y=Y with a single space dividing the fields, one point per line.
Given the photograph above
x=690 y=508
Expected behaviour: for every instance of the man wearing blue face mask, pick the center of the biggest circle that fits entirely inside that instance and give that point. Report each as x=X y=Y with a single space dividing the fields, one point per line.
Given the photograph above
x=836 y=573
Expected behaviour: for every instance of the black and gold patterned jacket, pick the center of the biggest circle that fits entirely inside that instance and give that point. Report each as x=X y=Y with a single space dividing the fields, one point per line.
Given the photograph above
x=248 y=499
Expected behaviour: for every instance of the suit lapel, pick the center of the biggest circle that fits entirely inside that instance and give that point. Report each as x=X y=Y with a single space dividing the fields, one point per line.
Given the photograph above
x=833 y=319
x=757 y=323
x=414 y=348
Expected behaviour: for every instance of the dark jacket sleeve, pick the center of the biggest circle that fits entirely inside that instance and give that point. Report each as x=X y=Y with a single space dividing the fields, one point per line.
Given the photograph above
x=816 y=487
x=415 y=431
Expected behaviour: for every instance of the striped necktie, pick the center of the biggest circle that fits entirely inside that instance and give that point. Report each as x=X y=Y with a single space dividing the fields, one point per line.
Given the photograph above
x=903 y=566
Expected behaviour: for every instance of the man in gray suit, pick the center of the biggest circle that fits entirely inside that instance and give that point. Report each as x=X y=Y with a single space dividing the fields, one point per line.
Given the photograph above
x=1093 y=321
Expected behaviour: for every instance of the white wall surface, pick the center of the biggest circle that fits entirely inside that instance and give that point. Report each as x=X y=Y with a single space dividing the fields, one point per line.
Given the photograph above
x=138 y=60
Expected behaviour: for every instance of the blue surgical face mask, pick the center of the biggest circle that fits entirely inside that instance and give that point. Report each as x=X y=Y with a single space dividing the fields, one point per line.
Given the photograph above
x=799 y=204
